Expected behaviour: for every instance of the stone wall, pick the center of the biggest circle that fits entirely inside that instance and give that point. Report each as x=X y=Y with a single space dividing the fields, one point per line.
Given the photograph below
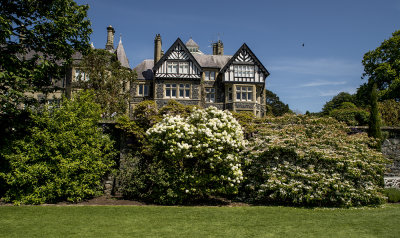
x=391 y=150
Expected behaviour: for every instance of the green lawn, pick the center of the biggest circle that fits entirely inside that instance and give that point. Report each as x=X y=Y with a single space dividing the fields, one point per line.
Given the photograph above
x=158 y=221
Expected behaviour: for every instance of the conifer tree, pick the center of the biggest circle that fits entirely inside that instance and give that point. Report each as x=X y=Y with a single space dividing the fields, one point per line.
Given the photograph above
x=374 y=125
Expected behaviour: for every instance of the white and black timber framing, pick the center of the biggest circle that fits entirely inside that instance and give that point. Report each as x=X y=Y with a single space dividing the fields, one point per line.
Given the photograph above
x=178 y=52
x=244 y=56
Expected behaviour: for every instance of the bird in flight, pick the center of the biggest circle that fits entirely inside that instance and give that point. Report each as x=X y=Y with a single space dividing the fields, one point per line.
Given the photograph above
x=302 y=45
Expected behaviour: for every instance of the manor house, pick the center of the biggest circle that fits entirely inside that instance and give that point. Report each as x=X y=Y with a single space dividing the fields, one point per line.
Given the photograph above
x=187 y=75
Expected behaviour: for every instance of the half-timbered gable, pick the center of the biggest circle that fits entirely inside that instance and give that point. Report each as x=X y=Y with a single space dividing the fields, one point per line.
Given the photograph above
x=244 y=67
x=189 y=76
x=177 y=62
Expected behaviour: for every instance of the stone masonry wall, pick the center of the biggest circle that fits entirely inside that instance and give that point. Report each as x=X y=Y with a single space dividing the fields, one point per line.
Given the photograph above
x=391 y=149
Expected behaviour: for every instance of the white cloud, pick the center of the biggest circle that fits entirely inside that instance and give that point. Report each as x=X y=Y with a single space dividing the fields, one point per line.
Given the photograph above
x=322 y=83
x=320 y=67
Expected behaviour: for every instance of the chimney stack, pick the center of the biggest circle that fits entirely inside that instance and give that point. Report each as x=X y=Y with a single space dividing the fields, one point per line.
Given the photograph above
x=218 y=48
x=157 y=48
x=110 y=38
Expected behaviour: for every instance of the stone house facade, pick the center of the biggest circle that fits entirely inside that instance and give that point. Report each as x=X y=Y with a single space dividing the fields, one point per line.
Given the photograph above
x=187 y=75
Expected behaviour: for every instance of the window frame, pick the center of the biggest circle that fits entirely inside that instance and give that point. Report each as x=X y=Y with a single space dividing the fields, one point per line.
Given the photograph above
x=209 y=75
x=210 y=94
x=80 y=75
x=143 y=87
x=243 y=71
x=244 y=93
x=187 y=90
x=181 y=67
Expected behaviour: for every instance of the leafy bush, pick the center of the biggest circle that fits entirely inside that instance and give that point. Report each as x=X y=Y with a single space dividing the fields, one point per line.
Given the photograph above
x=248 y=121
x=390 y=112
x=393 y=194
x=300 y=160
x=64 y=156
x=144 y=116
x=175 y=108
x=187 y=159
x=350 y=114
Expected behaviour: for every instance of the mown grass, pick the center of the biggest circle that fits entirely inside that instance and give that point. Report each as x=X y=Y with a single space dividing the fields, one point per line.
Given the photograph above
x=158 y=221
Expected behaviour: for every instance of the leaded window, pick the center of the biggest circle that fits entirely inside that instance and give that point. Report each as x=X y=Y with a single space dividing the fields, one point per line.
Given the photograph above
x=244 y=93
x=209 y=75
x=210 y=94
x=173 y=90
x=244 y=71
x=172 y=67
x=184 y=90
x=183 y=67
x=143 y=90
x=170 y=90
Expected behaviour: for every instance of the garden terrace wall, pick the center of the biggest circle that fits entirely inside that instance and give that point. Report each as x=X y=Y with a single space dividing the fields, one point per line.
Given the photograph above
x=391 y=150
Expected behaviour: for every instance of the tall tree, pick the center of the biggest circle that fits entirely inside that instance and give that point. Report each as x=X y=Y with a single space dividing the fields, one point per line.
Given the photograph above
x=337 y=101
x=109 y=79
x=37 y=40
x=382 y=66
x=374 y=125
x=275 y=104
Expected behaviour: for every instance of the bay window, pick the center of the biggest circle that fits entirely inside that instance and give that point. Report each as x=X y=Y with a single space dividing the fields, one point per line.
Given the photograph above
x=244 y=93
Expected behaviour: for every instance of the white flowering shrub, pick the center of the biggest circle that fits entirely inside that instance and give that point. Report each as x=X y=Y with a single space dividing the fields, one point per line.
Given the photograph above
x=299 y=160
x=188 y=158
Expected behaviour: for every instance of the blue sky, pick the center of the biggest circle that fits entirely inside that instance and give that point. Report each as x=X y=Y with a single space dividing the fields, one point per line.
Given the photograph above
x=336 y=35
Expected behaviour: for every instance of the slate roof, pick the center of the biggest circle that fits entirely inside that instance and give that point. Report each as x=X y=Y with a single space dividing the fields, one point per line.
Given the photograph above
x=145 y=70
x=212 y=61
x=121 y=55
x=191 y=43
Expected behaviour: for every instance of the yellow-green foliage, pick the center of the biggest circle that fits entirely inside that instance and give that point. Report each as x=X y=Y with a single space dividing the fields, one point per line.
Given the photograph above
x=350 y=114
x=390 y=112
x=64 y=156
x=300 y=160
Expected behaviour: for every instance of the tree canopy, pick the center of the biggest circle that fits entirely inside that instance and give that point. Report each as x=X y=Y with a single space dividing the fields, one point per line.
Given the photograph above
x=273 y=102
x=38 y=38
x=337 y=101
x=382 y=66
x=109 y=80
